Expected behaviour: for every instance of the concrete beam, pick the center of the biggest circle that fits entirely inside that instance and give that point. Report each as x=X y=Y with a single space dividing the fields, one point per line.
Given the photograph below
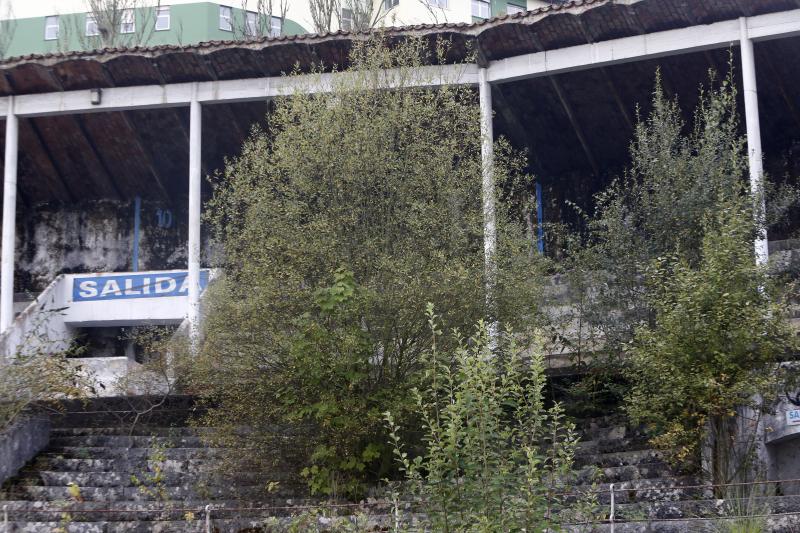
x=648 y=46
x=225 y=91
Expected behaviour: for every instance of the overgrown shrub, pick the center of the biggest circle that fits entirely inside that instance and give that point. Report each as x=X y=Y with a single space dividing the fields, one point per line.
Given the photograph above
x=719 y=332
x=339 y=222
x=678 y=176
x=39 y=375
x=495 y=457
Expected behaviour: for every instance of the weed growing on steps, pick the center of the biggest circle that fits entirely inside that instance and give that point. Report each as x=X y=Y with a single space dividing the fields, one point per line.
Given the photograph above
x=152 y=483
x=495 y=457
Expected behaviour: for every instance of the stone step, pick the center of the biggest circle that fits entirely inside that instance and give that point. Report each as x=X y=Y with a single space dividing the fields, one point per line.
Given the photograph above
x=168 y=431
x=236 y=525
x=127 y=431
x=663 y=489
x=604 y=427
x=372 y=522
x=705 y=508
x=771 y=524
x=164 y=510
x=107 y=452
x=597 y=446
x=65 y=464
x=613 y=474
x=125 y=478
x=621 y=458
x=153 y=492
x=124 y=441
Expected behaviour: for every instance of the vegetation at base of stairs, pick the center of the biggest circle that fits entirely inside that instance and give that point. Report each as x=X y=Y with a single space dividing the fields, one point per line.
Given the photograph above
x=338 y=224
x=495 y=457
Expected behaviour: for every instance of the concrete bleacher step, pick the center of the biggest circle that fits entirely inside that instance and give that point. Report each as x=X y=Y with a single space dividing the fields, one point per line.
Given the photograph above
x=708 y=508
x=771 y=524
x=620 y=458
x=128 y=478
x=64 y=464
x=107 y=452
x=661 y=489
x=154 y=511
x=125 y=441
x=102 y=460
x=613 y=474
x=153 y=493
x=144 y=431
x=249 y=525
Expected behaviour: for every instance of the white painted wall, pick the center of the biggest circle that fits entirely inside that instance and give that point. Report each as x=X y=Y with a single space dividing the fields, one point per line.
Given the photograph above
x=40 y=327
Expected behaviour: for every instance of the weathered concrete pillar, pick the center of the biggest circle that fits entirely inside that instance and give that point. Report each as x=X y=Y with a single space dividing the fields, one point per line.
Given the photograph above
x=753 y=136
x=488 y=190
x=9 y=218
x=195 y=155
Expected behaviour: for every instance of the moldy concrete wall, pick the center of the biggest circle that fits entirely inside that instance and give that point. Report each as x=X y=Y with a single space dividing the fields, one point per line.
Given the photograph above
x=96 y=237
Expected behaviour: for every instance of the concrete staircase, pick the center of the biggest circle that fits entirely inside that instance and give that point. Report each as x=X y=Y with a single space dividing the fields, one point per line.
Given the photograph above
x=651 y=497
x=99 y=476
x=100 y=473
x=157 y=479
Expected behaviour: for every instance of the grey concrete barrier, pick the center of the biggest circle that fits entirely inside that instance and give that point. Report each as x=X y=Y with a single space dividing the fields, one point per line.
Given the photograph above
x=20 y=443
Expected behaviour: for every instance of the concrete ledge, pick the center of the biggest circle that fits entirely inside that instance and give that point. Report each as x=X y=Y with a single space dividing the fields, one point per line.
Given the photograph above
x=21 y=442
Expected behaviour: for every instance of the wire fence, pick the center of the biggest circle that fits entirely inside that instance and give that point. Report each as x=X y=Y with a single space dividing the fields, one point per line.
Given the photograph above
x=209 y=511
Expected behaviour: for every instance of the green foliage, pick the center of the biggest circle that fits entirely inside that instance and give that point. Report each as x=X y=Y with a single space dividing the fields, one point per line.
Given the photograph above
x=152 y=483
x=494 y=456
x=338 y=224
x=719 y=332
x=675 y=179
x=39 y=375
x=680 y=174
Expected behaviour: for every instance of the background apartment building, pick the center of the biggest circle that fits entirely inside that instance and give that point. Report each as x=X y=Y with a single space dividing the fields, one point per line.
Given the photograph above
x=46 y=26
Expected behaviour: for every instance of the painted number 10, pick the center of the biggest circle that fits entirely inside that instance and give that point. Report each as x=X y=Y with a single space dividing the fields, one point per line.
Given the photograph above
x=164 y=217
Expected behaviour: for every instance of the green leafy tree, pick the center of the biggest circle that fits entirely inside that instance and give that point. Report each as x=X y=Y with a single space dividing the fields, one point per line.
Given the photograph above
x=678 y=175
x=338 y=224
x=719 y=333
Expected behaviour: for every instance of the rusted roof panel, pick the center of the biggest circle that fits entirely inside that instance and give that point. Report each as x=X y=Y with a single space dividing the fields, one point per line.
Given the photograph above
x=551 y=27
x=33 y=78
x=5 y=86
x=661 y=16
x=610 y=21
x=81 y=74
x=184 y=66
x=234 y=63
x=133 y=70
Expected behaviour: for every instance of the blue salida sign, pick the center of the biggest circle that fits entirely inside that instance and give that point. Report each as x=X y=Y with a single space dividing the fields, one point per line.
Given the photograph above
x=793 y=417
x=127 y=286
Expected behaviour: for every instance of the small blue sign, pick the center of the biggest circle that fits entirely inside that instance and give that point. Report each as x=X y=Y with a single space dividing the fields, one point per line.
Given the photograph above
x=126 y=286
x=793 y=417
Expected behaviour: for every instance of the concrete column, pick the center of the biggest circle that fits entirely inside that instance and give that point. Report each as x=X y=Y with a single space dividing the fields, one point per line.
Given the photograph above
x=195 y=141
x=9 y=219
x=753 y=137
x=488 y=190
